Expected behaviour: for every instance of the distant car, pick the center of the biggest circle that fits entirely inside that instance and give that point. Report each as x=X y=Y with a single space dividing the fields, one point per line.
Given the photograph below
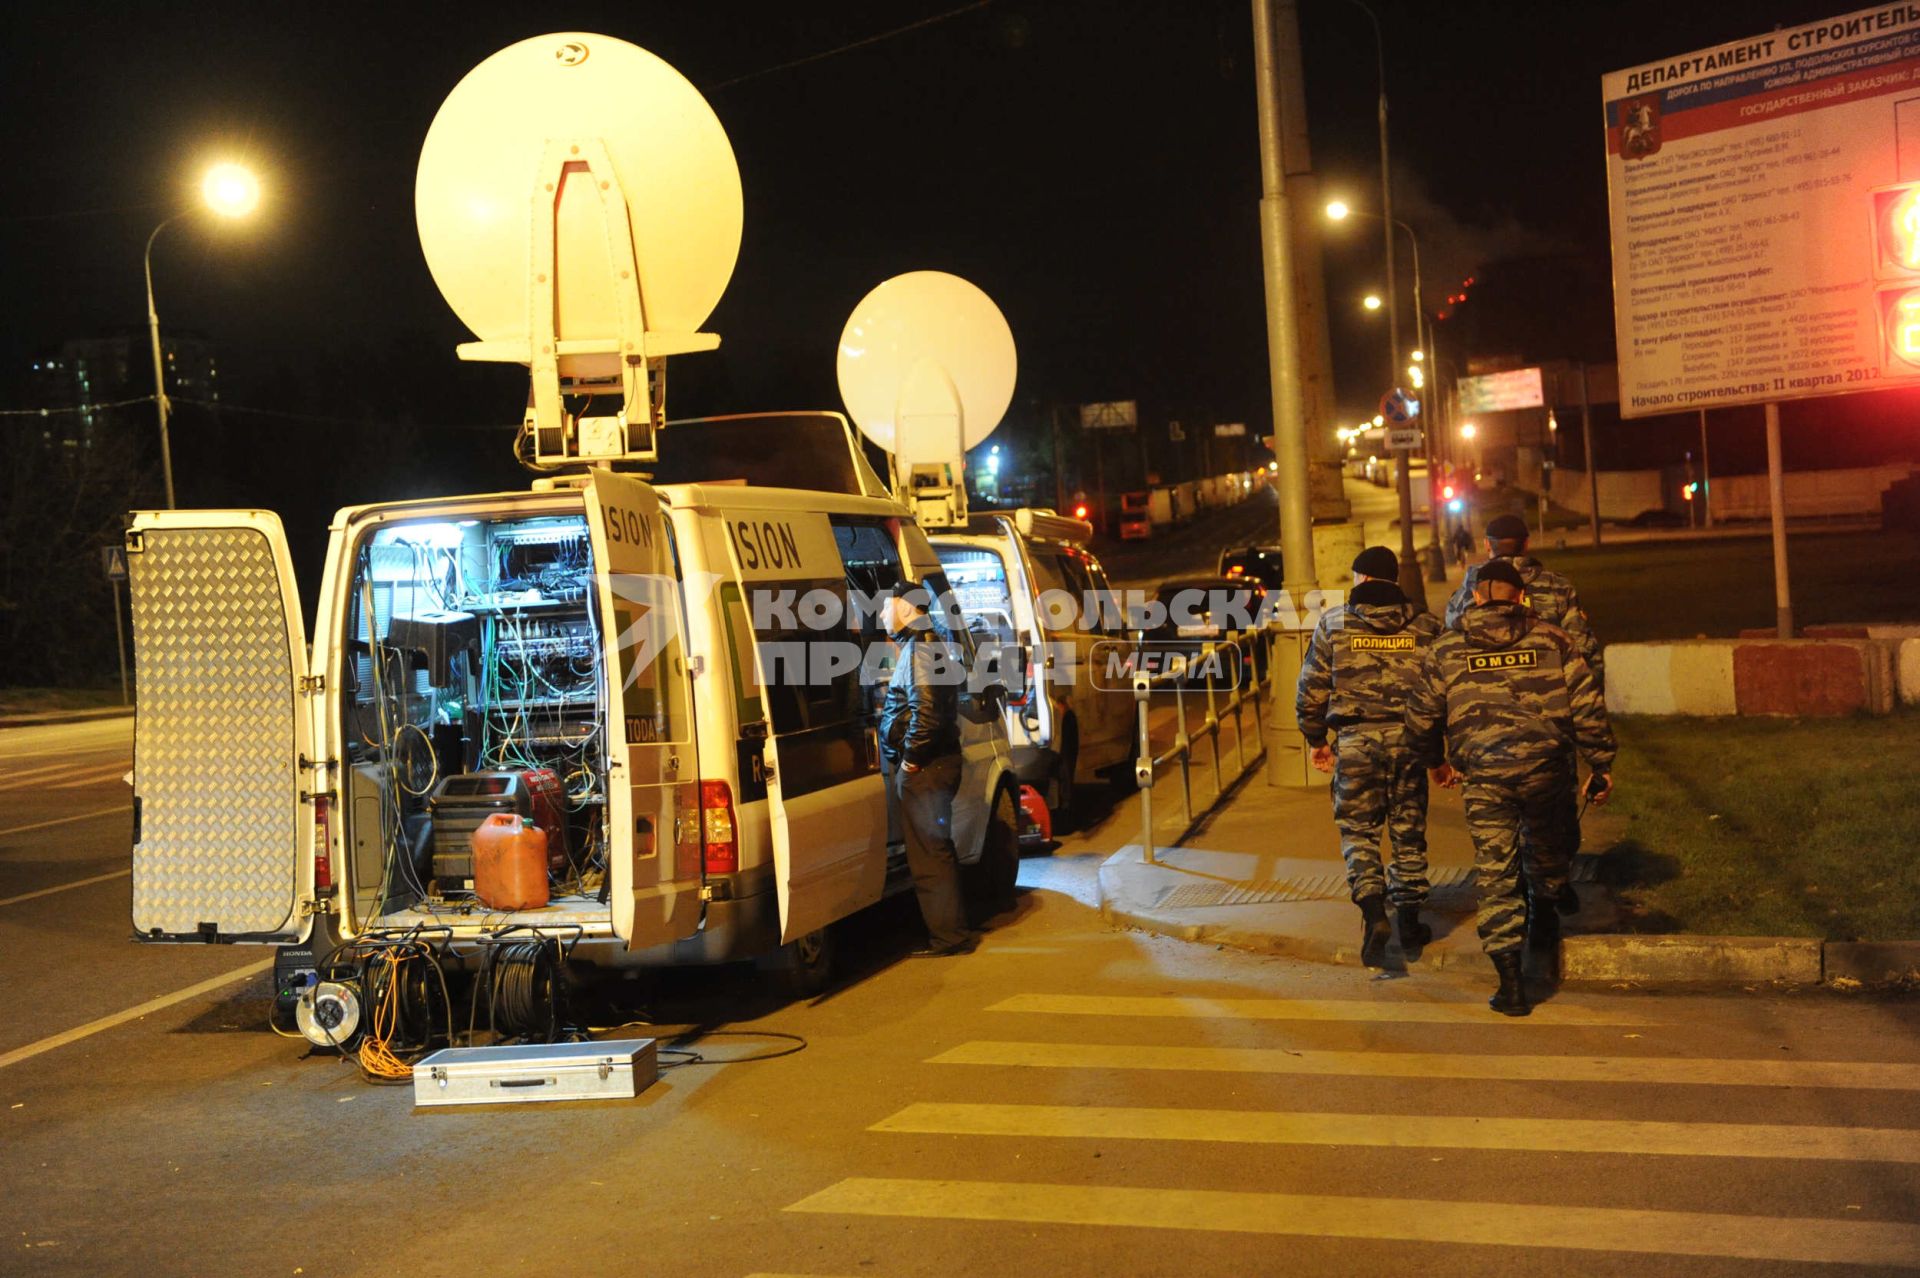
x=1197 y=611
x=1252 y=563
x=1657 y=518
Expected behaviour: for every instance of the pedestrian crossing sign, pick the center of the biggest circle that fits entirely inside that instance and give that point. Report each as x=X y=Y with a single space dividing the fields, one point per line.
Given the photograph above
x=113 y=562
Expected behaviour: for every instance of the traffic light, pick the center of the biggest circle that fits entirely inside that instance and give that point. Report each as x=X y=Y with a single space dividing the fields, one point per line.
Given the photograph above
x=1896 y=267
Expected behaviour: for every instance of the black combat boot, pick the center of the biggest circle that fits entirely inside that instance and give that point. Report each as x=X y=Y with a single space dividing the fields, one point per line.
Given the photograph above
x=1511 y=998
x=1568 y=902
x=1376 y=933
x=1413 y=933
x=1543 y=927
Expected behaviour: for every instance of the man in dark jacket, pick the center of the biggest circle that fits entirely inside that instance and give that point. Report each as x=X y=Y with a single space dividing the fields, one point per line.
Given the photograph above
x=920 y=744
x=1550 y=595
x=1362 y=662
x=1509 y=701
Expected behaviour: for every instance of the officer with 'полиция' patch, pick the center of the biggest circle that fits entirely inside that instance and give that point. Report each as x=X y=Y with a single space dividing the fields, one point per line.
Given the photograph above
x=1509 y=701
x=1364 y=657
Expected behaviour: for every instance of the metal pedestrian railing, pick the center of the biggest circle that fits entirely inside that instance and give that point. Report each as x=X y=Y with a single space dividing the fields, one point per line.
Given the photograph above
x=1187 y=718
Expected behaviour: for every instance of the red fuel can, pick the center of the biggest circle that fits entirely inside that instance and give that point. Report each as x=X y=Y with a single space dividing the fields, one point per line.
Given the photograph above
x=510 y=863
x=547 y=797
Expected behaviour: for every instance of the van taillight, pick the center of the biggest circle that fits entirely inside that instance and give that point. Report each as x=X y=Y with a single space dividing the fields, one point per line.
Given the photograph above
x=322 y=858
x=1025 y=698
x=717 y=837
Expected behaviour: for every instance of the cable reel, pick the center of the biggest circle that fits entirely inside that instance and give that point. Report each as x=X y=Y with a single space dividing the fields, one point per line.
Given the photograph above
x=328 y=1014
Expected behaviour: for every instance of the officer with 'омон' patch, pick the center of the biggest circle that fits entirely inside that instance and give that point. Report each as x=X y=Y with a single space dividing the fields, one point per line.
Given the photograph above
x=1365 y=656
x=1509 y=701
x=1550 y=595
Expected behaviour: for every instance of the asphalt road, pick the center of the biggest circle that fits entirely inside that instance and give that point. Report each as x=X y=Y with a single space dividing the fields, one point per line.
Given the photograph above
x=1068 y=1101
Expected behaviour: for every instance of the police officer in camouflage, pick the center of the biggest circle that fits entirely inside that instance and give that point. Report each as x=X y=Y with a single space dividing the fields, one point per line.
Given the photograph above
x=1363 y=660
x=1509 y=700
x=1550 y=595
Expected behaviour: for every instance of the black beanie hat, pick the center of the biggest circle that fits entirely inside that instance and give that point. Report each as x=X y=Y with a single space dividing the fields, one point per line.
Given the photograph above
x=1377 y=561
x=1506 y=528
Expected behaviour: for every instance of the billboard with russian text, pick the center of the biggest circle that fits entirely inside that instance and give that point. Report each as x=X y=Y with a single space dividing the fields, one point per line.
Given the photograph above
x=1764 y=198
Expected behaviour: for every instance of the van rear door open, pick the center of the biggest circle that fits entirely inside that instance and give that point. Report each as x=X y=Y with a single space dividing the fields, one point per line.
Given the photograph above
x=655 y=857
x=827 y=801
x=223 y=825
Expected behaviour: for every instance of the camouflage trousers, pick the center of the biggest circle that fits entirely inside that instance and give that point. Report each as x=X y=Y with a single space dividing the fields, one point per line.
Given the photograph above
x=1524 y=834
x=1377 y=783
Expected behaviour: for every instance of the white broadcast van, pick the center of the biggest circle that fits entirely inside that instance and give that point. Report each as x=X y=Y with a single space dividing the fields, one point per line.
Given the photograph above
x=1012 y=574
x=646 y=654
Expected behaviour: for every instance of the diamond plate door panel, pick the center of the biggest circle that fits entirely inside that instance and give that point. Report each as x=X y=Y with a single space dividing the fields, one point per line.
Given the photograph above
x=216 y=738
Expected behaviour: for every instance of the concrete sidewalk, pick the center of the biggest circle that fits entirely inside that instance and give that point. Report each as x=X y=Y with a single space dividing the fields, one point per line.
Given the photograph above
x=1267 y=876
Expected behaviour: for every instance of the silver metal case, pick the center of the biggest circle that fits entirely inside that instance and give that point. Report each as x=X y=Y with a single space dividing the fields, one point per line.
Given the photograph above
x=616 y=1069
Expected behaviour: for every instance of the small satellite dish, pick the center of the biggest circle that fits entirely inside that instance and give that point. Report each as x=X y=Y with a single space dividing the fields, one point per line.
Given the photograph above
x=579 y=207
x=475 y=193
x=926 y=366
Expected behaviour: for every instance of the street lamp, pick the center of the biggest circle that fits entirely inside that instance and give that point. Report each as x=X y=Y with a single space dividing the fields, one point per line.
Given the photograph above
x=230 y=191
x=1409 y=570
x=1468 y=430
x=1339 y=211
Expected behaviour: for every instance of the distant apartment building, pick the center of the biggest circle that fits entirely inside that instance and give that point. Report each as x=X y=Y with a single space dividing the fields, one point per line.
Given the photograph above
x=84 y=384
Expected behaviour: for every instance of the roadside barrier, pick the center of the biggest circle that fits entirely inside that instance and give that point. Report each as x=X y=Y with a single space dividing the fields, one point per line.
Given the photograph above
x=1224 y=717
x=1819 y=677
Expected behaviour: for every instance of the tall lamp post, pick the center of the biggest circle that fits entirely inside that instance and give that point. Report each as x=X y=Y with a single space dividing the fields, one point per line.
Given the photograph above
x=231 y=191
x=1410 y=581
x=1340 y=211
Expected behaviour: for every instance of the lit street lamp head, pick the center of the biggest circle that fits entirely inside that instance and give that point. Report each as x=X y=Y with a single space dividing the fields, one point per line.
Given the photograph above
x=1468 y=430
x=1371 y=301
x=1337 y=210
x=231 y=190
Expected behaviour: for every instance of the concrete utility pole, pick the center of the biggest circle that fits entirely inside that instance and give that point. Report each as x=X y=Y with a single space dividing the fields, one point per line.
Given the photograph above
x=1310 y=280
x=1287 y=762
x=1283 y=332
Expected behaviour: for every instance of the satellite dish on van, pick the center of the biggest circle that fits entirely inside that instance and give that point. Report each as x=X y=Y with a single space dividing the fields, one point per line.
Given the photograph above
x=926 y=368
x=906 y=336
x=579 y=207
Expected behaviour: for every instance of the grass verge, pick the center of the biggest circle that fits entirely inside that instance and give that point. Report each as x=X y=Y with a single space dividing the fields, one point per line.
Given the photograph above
x=1641 y=591
x=1768 y=827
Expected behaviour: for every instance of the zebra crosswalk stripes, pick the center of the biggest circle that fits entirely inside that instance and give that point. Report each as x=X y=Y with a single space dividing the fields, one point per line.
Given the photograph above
x=1673 y=1233
x=1411 y=1131
x=1659 y=1070
x=1166 y=1134
x=1301 y=1009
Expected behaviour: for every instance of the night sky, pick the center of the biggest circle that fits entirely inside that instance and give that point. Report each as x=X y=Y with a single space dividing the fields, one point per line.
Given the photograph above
x=1093 y=166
